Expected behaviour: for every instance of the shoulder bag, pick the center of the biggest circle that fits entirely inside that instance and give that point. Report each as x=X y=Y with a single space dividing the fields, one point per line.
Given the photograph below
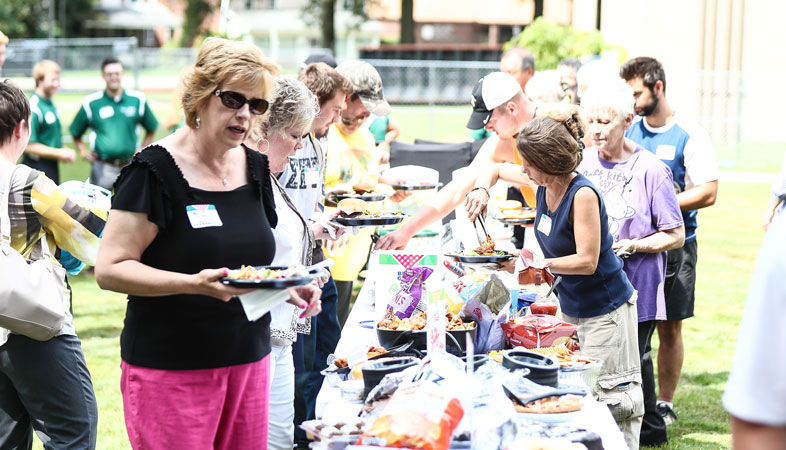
x=32 y=293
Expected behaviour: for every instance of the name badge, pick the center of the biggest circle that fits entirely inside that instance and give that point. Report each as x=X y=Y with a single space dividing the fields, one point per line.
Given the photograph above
x=544 y=224
x=203 y=216
x=50 y=117
x=666 y=152
x=106 y=112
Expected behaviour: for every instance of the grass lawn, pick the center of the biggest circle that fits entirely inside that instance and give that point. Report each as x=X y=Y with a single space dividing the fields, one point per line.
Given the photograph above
x=729 y=243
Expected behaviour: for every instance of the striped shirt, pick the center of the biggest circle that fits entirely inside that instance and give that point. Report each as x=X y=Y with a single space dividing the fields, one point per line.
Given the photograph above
x=37 y=209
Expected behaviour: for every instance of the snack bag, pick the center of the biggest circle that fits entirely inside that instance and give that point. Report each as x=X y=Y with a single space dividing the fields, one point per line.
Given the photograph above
x=421 y=414
x=488 y=309
x=536 y=330
x=536 y=273
x=407 y=299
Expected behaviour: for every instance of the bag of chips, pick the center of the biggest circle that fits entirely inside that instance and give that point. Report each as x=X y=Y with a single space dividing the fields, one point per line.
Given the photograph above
x=422 y=414
x=537 y=330
x=407 y=299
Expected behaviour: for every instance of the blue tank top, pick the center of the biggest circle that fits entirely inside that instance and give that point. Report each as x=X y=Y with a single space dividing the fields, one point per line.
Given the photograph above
x=582 y=296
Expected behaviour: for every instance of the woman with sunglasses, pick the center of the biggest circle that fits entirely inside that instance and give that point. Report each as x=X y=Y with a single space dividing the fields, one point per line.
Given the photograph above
x=292 y=110
x=194 y=370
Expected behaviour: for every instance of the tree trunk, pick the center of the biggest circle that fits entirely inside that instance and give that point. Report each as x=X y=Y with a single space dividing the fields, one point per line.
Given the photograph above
x=329 y=25
x=538 y=9
x=407 y=23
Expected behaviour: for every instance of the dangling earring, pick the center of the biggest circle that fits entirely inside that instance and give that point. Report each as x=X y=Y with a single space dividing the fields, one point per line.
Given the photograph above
x=198 y=121
x=267 y=145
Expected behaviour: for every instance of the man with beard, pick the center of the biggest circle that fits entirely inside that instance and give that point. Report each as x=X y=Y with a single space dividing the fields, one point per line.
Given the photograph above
x=303 y=180
x=686 y=148
x=45 y=148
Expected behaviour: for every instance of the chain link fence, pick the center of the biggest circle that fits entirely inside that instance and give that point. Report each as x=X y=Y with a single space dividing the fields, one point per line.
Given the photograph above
x=436 y=92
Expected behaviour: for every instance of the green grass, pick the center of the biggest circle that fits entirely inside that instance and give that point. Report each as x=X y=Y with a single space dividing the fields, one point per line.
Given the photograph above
x=729 y=242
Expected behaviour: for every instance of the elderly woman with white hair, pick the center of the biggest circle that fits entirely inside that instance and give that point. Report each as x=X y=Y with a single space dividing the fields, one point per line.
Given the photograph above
x=292 y=109
x=643 y=213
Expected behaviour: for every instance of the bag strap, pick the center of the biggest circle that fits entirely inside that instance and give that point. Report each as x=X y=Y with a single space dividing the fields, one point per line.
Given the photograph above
x=5 y=219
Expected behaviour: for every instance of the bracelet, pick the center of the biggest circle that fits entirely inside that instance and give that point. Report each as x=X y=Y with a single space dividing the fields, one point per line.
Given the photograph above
x=477 y=188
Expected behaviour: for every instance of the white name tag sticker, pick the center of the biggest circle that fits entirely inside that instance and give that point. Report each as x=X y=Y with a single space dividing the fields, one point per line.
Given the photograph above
x=544 y=225
x=106 y=111
x=203 y=216
x=666 y=152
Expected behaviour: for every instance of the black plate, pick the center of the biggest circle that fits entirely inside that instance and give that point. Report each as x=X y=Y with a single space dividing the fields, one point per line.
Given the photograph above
x=368 y=221
x=477 y=259
x=517 y=221
x=275 y=283
x=365 y=197
x=415 y=187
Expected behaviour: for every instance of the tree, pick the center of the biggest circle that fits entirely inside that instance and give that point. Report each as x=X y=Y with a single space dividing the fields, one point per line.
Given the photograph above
x=550 y=43
x=29 y=18
x=407 y=22
x=195 y=14
x=323 y=14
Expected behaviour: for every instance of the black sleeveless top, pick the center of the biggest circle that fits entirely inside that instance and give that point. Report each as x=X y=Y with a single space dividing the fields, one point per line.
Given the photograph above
x=181 y=332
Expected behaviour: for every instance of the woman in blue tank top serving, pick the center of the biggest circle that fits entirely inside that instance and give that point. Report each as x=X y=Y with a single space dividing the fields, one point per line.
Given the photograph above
x=595 y=294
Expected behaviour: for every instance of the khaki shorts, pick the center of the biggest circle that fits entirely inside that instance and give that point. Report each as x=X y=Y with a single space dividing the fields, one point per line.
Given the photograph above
x=613 y=338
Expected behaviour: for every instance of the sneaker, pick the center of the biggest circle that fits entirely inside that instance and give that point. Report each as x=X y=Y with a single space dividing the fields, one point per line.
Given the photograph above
x=666 y=411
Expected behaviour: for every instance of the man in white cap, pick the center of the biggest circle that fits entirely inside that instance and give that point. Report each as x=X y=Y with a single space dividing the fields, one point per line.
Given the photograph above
x=498 y=105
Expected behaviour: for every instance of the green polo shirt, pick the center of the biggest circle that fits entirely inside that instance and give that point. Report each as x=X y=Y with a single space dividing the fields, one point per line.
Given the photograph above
x=114 y=122
x=45 y=123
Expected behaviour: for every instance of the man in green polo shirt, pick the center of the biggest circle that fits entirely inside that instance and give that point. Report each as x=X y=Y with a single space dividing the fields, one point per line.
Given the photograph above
x=45 y=148
x=113 y=114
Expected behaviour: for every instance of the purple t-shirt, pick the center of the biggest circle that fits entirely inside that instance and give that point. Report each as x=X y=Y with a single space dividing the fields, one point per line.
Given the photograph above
x=640 y=200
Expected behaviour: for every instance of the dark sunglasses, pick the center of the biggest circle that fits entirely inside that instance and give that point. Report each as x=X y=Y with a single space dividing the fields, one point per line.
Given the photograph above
x=234 y=100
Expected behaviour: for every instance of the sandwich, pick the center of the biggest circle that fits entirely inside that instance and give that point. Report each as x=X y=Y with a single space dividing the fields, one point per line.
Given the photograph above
x=351 y=207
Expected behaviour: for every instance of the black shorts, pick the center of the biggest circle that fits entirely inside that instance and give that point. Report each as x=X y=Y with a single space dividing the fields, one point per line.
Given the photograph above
x=680 y=286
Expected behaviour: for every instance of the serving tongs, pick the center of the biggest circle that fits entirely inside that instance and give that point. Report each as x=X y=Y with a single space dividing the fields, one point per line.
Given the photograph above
x=485 y=237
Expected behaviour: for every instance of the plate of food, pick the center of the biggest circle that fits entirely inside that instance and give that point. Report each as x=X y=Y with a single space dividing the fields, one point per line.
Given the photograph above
x=486 y=253
x=362 y=191
x=416 y=186
x=553 y=409
x=270 y=277
x=354 y=212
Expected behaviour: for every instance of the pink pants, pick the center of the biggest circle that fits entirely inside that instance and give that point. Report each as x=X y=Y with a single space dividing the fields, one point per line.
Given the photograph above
x=224 y=408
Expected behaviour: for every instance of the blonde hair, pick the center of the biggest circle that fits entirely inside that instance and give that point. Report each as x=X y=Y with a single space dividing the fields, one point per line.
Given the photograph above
x=293 y=105
x=223 y=61
x=3 y=38
x=42 y=68
x=552 y=141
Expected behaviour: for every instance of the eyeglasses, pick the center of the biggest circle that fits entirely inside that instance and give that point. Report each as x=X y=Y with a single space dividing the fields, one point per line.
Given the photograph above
x=234 y=100
x=356 y=120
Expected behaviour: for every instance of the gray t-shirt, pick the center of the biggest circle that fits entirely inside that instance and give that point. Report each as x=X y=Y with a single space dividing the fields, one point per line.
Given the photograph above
x=303 y=178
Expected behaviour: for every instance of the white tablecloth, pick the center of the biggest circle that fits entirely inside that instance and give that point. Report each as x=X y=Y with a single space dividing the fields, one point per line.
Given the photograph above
x=594 y=416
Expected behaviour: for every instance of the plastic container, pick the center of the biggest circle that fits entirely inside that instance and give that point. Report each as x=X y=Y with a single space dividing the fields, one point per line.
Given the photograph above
x=587 y=374
x=542 y=369
x=351 y=390
x=544 y=305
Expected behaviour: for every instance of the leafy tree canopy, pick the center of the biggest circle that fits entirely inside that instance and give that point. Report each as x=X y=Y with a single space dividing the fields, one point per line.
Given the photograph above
x=550 y=43
x=30 y=18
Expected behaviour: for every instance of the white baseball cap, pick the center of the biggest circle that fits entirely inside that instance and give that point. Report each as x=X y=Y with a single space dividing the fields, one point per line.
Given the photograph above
x=491 y=91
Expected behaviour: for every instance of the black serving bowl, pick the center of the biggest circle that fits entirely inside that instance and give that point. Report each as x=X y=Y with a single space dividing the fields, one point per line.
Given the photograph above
x=542 y=369
x=374 y=371
x=456 y=340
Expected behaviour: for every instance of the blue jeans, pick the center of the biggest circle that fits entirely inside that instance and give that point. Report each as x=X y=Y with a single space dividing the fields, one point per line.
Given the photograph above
x=325 y=333
x=46 y=387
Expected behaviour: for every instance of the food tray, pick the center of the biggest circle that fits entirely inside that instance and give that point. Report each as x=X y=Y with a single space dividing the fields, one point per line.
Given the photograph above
x=415 y=187
x=479 y=259
x=368 y=221
x=272 y=283
x=372 y=197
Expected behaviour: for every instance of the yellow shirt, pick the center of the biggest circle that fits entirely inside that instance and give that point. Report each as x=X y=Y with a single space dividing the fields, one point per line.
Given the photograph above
x=349 y=160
